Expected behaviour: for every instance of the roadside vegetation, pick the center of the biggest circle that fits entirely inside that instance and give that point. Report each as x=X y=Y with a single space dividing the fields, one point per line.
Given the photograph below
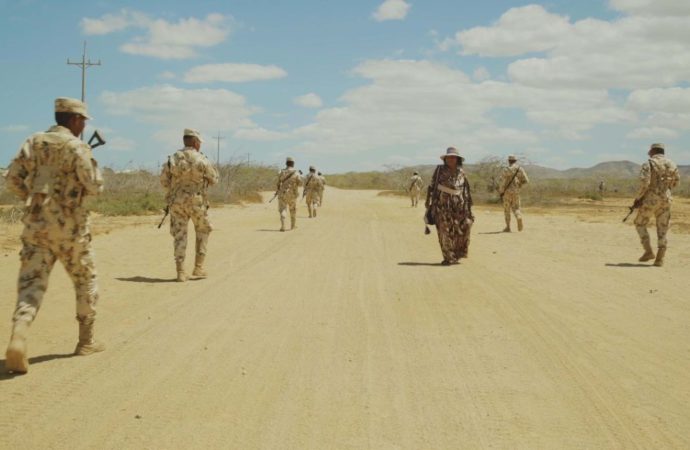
x=139 y=192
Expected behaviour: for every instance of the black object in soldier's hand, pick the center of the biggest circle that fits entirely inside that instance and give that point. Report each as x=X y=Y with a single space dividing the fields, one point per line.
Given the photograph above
x=96 y=136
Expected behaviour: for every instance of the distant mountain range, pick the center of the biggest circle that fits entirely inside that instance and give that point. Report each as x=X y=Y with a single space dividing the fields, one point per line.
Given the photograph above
x=609 y=169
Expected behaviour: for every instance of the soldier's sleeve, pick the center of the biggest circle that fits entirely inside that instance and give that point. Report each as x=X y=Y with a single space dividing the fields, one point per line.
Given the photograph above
x=211 y=173
x=300 y=180
x=87 y=170
x=645 y=179
x=19 y=170
x=675 y=177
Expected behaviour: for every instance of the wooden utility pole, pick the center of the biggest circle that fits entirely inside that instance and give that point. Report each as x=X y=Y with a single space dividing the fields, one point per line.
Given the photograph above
x=84 y=64
x=218 y=138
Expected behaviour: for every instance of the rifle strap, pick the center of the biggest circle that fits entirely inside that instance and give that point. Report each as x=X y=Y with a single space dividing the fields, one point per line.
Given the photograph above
x=511 y=180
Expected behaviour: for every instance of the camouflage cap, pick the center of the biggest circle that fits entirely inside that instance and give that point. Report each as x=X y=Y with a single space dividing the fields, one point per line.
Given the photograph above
x=188 y=132
x=71 y=105
x=657 y=145
x=512 y=158
x=415 y=173
x=289 y=159
x=312 y=169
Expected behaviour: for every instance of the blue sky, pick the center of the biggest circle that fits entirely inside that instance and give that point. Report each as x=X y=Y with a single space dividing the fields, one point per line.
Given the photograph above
x=357 y=85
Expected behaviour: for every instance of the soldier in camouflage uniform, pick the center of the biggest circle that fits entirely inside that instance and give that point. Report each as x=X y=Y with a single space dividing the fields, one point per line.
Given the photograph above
x=657 y=177
x=415 y=188
x=186 y=177
x=287 y=189
x=450 y=201
x=512 y=178
x=312 y=187
x=322 y=186
x=53 y=173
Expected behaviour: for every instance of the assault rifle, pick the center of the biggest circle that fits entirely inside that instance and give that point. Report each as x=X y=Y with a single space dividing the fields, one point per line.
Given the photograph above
x=304 y=191
x=280 y=185
x=636 y=204
x=96 y=136
x=509 y=183
x=167 y=207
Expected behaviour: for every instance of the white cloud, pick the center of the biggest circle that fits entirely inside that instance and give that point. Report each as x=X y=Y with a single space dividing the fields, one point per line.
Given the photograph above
x=481 y=74
x=652 y=133
x=652 y=7
x=260 y=134
x=409 y=104
x=14 y=128
x=233 y=73
x=391 y=10
x=309 y=100
x=167 y=75
x=671 y=100
x=631 y=52
x=163 y=39
x=520 y=30
x=172 y=109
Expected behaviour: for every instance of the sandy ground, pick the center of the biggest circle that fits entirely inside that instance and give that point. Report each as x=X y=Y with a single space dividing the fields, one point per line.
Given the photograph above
x=347 y=333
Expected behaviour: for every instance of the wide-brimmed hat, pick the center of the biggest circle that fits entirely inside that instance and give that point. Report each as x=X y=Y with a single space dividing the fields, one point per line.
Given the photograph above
x=188 y=132
x=71 y=105
x=452 y=151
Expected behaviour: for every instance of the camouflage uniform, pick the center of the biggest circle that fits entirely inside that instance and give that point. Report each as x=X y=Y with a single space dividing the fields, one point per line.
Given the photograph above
x=53 y=173
x=288 y=183
x=415 y=188
x=452 y=211
x=186 y=177
x=322 y=186
x=657 y=177
x=312 y=188
x=511 y=192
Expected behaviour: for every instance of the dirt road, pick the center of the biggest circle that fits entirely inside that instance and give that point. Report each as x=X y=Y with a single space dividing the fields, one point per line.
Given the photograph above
x=347 y=333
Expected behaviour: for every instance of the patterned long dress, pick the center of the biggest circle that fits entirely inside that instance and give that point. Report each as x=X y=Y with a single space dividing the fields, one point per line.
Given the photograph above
x=452 y=212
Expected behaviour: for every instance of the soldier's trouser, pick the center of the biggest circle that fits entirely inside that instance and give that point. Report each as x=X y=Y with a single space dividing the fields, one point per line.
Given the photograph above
x=284 y=205
x=511 y=202
x=37 y=261
x=180 y=214
x=414 y=197
x=662 y=213
x=312 y=203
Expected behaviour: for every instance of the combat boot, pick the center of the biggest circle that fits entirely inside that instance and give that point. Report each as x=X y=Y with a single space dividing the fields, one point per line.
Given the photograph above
x=87 y=345
x=519 y=221
x=282 y=224
x=15 y=358
x=506 y=229
x=648 y=252
x=292 y=222
x=660 y=253
x=314 y=212
x=181 y=274
x=199 y=271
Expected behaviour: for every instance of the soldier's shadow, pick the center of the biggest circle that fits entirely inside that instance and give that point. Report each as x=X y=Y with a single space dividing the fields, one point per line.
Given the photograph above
x=628 y=265
x=267 y=230
x=492 y=232
x=5 y=375
x=140 y=279
x=414 y=264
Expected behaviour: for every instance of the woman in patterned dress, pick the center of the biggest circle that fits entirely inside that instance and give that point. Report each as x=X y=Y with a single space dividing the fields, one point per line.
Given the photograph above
x=450 y=201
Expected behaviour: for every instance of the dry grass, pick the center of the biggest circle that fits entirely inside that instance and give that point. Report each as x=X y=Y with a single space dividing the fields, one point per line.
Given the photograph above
x=139 y=192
